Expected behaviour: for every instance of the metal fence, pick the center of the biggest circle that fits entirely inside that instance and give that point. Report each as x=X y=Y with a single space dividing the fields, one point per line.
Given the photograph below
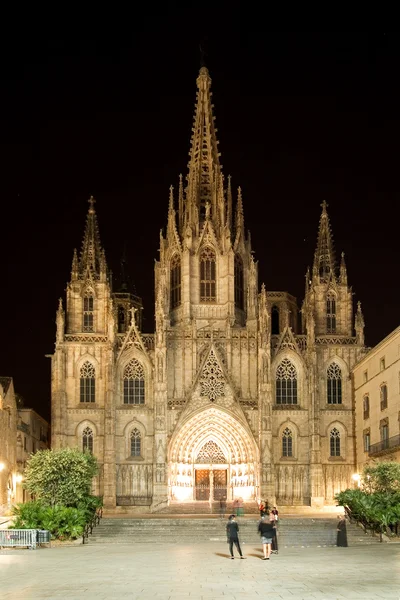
x=21 y=538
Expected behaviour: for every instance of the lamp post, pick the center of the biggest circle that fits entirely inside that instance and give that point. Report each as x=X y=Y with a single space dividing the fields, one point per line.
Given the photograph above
x=356 y=478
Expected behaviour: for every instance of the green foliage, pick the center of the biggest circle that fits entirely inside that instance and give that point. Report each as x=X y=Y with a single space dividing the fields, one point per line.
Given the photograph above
x=60 y=477
x=381 y=477
x=378 y=510
x=62 y=522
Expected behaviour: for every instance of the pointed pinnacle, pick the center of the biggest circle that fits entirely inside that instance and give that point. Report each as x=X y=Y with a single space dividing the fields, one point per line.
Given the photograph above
x=171 y=198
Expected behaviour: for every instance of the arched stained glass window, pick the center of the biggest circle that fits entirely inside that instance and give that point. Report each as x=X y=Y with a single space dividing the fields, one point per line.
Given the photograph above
x=239 y=283
x=334 y=384
x=175 y=281
x=88 y=312
x=286 y=383
x=87 y=440
x=87 y=382
x=275 y=320
x=134 y=391
x=136 y=443
x=287 y=442
x=331 y=313
x=335 y=442
x=208 y=282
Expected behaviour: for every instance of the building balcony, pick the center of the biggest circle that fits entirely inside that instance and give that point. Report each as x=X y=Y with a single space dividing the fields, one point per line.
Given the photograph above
x=385 y=446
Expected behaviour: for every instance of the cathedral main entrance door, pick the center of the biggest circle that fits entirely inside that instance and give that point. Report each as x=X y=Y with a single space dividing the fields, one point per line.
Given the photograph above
x=210 y=485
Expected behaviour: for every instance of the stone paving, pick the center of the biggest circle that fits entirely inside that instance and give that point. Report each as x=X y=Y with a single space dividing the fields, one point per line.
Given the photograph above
x=202 y=571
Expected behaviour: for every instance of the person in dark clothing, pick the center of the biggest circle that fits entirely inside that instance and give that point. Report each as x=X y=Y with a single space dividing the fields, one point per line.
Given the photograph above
x=266 y=529
x=232 y=531
x=341 y=532
x=274 y=545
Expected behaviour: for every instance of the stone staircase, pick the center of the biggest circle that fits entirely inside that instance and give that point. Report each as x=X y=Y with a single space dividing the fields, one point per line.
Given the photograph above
x=194 y=529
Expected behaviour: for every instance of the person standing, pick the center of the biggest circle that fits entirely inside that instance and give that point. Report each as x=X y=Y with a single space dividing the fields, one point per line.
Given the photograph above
x=261 y=507
x=232 y=534
x=266 y=530
x=341 y=538
x=274 y=545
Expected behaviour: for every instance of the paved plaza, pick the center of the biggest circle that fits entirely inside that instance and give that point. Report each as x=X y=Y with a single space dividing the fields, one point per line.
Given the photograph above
x=201 y=571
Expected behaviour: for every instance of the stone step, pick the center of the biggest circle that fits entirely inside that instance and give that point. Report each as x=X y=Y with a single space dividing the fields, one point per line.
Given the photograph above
x=293 y=532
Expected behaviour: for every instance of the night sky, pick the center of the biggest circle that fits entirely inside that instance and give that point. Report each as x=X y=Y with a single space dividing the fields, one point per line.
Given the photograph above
x=301 y=117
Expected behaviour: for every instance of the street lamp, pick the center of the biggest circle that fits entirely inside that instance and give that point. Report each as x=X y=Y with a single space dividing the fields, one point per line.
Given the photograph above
x=356 y=478
x=2 y=467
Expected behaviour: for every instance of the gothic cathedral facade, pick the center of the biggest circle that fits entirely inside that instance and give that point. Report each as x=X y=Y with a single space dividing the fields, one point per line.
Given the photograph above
x=229 y=397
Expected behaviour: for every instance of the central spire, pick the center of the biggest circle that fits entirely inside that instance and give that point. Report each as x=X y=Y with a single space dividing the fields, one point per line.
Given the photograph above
x=92 y=258
x=204 y=166
x=324 y=258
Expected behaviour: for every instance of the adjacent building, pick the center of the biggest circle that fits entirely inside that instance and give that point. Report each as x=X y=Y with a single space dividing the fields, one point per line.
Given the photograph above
x=231 y=396
x=376 y=380
x=32 y=435
x=10 y=478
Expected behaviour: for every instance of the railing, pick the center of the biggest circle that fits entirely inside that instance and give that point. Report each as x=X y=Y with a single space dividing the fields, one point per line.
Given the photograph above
x=92 y=523
x=391 y=443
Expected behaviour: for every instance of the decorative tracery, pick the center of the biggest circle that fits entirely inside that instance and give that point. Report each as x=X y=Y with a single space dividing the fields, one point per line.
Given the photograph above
x=212 y=381
x=87 y=382
x=134 y=380
x=208 y=276
x=334 y=384
x=136 y=442
x=87 y=440
x=287 y=442
x=286 y=383
x=335 y=442
x=211 y=453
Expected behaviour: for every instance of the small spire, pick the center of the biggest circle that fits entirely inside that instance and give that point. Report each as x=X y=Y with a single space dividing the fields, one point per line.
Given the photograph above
x=74 y=268
x=180 y=201
x=239 y=209
x=229 y=203
x=360 y=325
x=60 y=305
x=171 y=199
x=324 y=259
x=343 y=270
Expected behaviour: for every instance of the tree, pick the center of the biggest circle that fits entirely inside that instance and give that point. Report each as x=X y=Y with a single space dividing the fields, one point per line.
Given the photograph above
x=60 y=476
x=381 y=477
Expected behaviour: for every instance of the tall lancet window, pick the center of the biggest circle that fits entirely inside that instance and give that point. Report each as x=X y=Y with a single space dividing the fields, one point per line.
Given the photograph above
x=136 y=442
x=134 y=383
x=330 y=313
x=334 y=438
x=334 y=384
x=87 y=440
x=88 y=312
x=287 y=442
x=274 y=320
x=239 y=284
x=87 y=382
x=175 y=281
x=286 y=383
x=208 y=284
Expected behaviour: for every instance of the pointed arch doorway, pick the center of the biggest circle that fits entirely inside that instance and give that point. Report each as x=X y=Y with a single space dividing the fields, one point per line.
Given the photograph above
x=211 y=473
x=212 y=455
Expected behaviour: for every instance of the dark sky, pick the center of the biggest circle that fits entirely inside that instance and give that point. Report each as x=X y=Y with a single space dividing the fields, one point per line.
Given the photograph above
x=301 y=117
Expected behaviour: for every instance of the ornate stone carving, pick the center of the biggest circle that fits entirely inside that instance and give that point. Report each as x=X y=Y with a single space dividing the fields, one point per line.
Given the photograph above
x=212 y=381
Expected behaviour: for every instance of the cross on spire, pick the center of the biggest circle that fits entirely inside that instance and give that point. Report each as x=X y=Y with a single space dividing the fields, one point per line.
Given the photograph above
x=92 y=202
